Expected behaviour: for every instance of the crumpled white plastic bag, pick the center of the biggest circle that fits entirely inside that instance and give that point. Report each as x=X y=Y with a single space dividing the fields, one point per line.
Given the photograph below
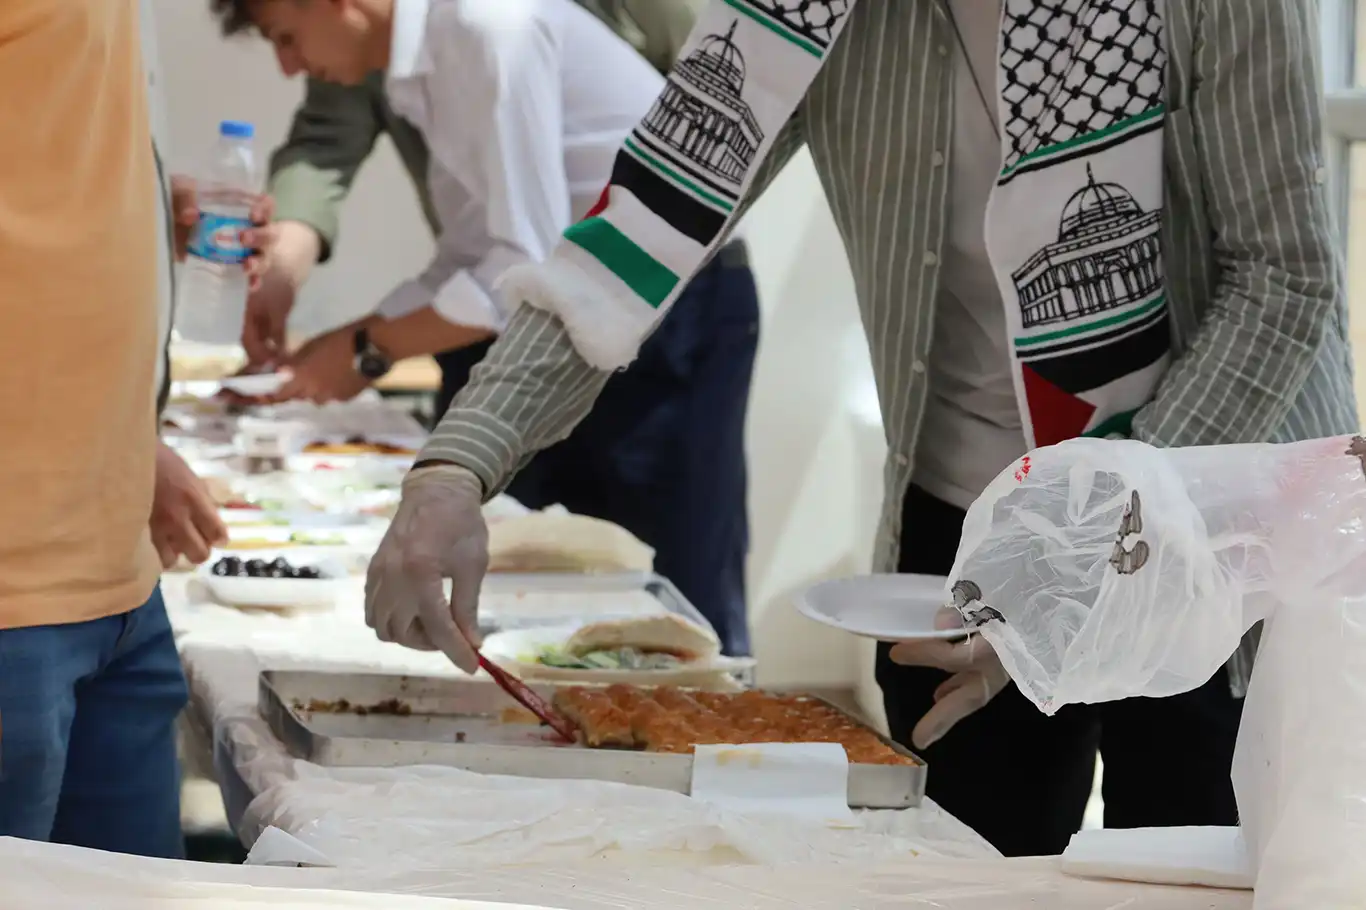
x=1101 y=570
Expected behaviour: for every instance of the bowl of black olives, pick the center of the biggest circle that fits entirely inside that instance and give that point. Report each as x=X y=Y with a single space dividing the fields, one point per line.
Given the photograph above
x=271 y=580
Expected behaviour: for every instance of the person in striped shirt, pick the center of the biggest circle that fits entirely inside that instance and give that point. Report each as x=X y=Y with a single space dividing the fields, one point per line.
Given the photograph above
x=1064 y=217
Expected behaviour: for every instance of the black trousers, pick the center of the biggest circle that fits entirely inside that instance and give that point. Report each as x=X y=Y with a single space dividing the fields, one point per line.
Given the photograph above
x=663 y=451
x=1022 y=779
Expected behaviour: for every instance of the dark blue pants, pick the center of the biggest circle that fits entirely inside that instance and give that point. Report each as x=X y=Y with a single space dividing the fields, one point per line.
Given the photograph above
x=663 y=452
x=88 y=736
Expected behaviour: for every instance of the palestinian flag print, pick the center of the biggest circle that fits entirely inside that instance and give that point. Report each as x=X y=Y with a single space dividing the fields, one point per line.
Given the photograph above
x=1075 y=221
x=681 y=173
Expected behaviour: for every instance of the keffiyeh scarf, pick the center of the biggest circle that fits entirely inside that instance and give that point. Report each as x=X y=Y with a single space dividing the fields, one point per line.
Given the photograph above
x=1072 y=227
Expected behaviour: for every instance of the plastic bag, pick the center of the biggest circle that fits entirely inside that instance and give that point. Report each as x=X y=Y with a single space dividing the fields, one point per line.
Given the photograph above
x=1101 y=570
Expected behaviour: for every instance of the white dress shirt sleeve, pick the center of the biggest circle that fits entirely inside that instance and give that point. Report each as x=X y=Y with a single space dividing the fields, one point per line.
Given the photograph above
x=496 y=130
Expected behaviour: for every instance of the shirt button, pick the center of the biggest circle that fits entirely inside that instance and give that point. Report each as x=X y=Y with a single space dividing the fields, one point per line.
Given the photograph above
x=902 y=460
x=943 y=50
x=918 y=366
x=931 y=258
x=937 y=159
x=1321 y=175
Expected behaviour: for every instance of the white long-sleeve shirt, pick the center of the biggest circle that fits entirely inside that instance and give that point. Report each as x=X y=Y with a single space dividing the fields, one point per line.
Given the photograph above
x=523 y=104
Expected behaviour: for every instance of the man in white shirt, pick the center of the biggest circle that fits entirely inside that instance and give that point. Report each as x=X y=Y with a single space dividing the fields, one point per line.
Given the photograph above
x=522 y=105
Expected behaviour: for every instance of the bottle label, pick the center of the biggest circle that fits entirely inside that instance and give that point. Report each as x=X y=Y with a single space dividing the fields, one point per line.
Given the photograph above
x=218 y=238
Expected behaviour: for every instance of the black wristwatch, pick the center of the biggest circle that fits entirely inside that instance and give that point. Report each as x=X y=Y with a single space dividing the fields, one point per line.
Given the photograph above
x=371 y=362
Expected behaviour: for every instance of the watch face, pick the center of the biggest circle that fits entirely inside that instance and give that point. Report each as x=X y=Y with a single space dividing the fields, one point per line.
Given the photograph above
x=372 y=365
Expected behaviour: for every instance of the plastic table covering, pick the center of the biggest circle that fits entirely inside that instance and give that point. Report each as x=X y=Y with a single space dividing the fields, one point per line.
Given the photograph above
x=54 y=878
x=423 y=817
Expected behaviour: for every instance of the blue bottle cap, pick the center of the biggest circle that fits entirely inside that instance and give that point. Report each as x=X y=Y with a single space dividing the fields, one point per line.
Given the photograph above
x=236 y=129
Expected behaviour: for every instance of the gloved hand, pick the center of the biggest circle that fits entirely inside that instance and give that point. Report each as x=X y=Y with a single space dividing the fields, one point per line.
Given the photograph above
x=977 y=677
x=438 y=533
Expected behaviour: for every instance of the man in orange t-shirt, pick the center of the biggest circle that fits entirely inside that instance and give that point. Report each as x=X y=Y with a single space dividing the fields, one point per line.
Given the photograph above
x=90 y=681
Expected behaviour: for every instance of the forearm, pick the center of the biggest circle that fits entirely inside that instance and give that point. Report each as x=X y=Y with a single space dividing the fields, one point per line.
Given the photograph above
x=421 y=332
x=1236 y=384
x=1258 y=135
x=311 y=197
x=529 y=392
x=332 y=134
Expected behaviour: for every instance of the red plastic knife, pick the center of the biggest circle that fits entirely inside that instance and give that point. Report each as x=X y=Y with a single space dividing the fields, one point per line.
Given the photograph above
x=529 y=699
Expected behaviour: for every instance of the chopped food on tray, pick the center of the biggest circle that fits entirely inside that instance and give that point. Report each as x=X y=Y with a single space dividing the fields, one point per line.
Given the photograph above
x=606 y=659
x=356 y=445
x=671 y=720
x=232 y=567
x=294 y=540
x=640 y=643
x=389 y=706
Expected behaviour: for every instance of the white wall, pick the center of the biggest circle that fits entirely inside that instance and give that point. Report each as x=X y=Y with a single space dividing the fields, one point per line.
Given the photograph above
x=814 y=461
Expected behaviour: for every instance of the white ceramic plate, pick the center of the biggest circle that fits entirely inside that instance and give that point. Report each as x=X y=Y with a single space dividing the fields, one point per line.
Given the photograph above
x=293 y=537
x=885 y=607
x=277 y=593
x=303 y=464
x=295 y=521
x=256 y=385
x=514 y=649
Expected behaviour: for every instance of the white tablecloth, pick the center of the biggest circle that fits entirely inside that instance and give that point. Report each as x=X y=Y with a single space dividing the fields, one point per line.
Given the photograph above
x=443 y=818
x=57 y=878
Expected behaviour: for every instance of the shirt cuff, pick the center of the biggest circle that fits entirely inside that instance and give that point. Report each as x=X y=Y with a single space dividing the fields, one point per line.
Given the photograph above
x=478 y=441
x=531 y=389
x=463 y=301
x=408 y=297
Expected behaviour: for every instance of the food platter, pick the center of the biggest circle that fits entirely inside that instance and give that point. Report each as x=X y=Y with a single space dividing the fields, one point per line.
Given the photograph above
x=304 y=581
x=519 y=650
x=372 y=720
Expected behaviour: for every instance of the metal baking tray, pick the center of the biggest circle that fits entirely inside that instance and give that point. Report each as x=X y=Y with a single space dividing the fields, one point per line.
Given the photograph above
x=470 y=723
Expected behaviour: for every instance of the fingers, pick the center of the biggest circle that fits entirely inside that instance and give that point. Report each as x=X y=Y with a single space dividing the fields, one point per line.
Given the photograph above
x=374 y=581
x=391 y=617
x=947 y=618
x=189 y=542
x=184 y=213
x=259 y=240
x=207 y=521
x=959 y=696
x=259 y=347
x=165 y=551
x=464 y=604
x=263 y=210
x=949 y=656
x=438 y=620
x=297 y=387
x=263 y=334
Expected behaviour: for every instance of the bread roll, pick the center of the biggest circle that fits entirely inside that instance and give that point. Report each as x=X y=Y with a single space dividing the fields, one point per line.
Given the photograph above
x=549 y=542
x=668 y=634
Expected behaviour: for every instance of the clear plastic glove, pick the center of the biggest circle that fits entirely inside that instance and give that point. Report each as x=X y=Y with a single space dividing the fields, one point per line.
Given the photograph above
x=977 y=677
x=438 y=533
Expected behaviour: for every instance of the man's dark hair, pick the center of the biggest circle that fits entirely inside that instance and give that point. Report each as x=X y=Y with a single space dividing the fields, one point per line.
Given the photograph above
x=234 y=15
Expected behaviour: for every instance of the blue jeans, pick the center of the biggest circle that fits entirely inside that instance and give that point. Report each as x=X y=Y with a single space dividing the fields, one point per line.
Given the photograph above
x=88 y=736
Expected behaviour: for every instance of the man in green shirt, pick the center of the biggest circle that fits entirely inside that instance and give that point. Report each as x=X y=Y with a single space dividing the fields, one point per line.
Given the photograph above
x=494 y=163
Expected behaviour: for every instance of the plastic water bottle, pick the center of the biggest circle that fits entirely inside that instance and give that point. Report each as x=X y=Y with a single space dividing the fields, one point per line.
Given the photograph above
x=212 y=297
